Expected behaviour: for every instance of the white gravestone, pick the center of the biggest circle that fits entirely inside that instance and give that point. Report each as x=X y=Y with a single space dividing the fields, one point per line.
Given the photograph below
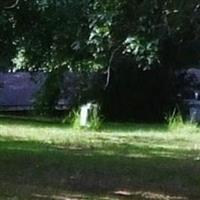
x=84 y=115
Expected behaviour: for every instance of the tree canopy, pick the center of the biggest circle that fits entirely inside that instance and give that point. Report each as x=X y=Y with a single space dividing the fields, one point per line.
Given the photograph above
x=84 y=34
x=127 y=37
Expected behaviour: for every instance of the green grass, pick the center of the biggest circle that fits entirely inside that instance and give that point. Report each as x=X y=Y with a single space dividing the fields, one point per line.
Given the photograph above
x=47 y=160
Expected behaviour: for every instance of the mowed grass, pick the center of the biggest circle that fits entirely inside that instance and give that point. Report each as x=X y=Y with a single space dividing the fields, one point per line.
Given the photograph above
x=40 y=160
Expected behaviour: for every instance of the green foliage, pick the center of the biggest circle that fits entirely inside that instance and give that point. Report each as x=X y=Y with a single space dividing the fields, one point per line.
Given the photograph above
x=175 y=120
x=47 y=98
x=176 y=123
x=51 y=34
x=95 y=120
x=145 y=52
x=86 y=35
x=82 y=34
x=74 y=119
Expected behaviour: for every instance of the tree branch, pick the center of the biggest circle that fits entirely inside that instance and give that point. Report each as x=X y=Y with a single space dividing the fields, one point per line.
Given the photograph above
x=109 y=66
x=13 y=5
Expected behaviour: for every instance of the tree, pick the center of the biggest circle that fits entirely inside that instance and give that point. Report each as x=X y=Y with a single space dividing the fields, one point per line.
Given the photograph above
x=83 y=34
x=88 y=35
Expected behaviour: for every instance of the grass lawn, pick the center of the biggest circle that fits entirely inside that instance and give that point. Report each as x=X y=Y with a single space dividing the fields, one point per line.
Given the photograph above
x=41 y=160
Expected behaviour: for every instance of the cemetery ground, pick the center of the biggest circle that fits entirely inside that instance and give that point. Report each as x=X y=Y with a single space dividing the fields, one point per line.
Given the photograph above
x=40 y=160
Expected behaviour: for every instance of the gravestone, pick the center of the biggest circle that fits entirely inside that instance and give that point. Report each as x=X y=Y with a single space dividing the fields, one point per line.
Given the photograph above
x=86 y=113
x=194 y=108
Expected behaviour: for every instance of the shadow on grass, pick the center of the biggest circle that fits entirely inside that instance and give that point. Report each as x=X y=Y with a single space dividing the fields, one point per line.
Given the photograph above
x=100 y=170
x=32 y=121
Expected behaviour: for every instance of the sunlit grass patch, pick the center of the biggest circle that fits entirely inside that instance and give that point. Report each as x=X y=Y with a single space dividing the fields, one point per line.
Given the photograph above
x=150 y=159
